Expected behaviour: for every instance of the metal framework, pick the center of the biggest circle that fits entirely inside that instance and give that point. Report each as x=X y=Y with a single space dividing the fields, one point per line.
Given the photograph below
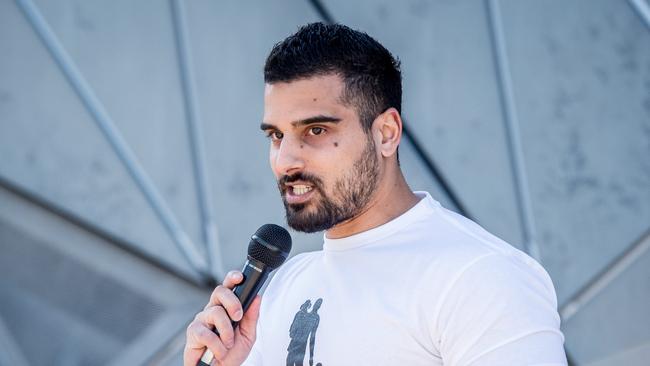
x=96 y=109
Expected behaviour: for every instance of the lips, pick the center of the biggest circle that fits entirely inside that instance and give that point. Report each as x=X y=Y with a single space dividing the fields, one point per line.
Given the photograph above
x=296 y=193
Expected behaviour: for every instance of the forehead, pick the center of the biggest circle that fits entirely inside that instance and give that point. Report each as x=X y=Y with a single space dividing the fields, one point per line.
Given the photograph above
x=304 y=98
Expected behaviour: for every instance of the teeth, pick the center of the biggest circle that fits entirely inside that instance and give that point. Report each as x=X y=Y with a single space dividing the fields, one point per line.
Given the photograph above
x=301 y=189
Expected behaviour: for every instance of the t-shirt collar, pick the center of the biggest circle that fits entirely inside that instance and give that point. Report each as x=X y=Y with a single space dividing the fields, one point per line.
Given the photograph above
x=425 y=206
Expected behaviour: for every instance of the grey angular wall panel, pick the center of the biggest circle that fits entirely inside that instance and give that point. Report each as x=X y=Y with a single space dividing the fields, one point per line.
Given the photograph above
x=50 y=146
x=64 y=286
x=581 y=73
x=638 y=354
x=616 y=321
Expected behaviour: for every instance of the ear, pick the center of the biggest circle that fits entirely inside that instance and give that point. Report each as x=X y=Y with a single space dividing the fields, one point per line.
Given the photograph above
x=387 y=127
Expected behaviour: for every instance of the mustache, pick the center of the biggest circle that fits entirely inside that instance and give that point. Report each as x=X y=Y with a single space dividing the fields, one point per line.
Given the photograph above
x=305 y=177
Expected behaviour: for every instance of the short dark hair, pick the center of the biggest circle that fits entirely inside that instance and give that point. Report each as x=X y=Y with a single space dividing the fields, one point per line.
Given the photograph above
x=372 y=76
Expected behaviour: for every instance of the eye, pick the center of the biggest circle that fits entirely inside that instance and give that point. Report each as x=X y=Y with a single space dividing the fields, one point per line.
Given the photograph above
x=275 y=135
x=316 y=131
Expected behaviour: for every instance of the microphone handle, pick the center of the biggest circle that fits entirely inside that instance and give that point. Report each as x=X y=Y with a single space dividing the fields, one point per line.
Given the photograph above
x=255 y=274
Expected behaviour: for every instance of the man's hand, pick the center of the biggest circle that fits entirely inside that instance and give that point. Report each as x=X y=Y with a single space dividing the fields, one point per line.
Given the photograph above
x=229 y=347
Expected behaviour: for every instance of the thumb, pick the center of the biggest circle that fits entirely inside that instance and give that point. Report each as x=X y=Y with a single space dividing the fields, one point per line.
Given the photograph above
x=248 y=324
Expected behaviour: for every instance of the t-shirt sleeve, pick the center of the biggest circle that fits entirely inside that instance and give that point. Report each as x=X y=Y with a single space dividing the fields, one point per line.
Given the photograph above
x=500 y=310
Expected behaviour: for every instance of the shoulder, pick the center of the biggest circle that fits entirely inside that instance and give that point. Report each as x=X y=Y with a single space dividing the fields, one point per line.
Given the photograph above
x=472 y=265
x=513 y=277
x=490 y=256
x=503 y=304
x=455 y=243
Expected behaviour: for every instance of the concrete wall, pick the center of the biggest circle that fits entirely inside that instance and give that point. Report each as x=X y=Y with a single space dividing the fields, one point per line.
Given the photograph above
x=536 y=113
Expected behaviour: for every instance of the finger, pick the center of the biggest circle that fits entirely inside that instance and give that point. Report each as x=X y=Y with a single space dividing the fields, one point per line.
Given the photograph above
x=216 y=316
x=226 y=298
x=248 y=324
x=199 y=337
x=232 y=279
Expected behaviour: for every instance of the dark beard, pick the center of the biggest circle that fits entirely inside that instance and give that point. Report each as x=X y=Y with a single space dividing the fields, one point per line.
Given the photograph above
x=352 y=193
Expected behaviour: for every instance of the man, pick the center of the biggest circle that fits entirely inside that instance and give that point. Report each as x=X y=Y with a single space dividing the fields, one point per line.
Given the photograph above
x=303 y=330
x=400 y=279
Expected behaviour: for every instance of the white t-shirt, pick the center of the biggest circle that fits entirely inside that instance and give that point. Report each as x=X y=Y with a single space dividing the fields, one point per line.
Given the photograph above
x=427 y=288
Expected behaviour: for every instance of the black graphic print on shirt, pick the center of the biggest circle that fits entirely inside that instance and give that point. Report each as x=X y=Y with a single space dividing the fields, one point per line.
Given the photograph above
x=303 y=332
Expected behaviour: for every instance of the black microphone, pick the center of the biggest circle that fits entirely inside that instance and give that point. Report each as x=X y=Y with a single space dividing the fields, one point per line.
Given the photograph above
x=268 y=249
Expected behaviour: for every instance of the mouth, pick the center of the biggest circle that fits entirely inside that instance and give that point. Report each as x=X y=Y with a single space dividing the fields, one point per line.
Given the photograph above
x=298 y=193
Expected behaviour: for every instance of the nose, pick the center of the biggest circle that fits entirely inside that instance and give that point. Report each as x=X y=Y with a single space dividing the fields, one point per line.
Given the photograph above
x=287 y=158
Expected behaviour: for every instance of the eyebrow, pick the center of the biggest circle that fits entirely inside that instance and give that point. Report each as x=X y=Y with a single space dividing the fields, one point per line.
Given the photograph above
x=304 y=122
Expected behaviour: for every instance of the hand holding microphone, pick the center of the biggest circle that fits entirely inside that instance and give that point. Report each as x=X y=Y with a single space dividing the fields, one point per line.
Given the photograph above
x=233 y=309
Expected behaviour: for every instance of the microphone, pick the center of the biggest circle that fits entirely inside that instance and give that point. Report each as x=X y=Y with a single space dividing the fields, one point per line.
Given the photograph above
x=268 y=249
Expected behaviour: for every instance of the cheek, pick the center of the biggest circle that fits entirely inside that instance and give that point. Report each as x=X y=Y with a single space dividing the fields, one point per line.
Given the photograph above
x=330 y=167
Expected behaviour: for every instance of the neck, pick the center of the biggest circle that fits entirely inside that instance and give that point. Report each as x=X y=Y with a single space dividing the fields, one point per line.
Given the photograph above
x=393 y=197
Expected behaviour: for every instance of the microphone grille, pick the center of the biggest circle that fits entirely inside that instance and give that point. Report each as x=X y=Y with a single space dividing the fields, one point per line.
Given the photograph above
x=270 y=245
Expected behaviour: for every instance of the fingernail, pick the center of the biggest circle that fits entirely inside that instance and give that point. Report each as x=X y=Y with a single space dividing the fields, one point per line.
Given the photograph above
x=230 y=344
x=238 y=315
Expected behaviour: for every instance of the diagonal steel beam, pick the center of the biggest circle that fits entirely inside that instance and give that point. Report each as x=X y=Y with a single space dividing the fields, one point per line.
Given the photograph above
x=193 y=115
x=642 y=8
x=112 y=134
x=512 y=128
x=600 y=281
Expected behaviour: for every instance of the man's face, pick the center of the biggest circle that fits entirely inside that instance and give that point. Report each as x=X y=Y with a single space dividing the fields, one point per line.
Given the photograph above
x=326 y=165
